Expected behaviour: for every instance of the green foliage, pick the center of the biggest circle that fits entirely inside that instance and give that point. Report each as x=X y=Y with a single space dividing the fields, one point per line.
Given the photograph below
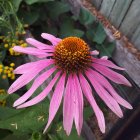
x=88 y=112
x=30 y=2
x=36 y=136
x=67 y=29
x=85 y=17
x=2 y=55
x=29 y=17
x=16 y=4
x=3 y=96
x=96 y=35
x=61 y=135
x=4 y=83
x=107 y=49
x=57 y=8
x=26 y=120
x=8 y=18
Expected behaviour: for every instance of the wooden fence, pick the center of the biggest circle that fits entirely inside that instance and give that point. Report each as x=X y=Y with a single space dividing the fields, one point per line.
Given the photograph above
x=124 y=15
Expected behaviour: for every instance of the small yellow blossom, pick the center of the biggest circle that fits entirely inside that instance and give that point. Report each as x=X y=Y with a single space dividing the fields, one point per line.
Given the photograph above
x=4 y=76
x=6 y=45
x=12 y=64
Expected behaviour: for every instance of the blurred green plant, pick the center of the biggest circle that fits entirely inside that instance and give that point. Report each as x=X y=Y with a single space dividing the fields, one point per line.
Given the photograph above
x=9 y=19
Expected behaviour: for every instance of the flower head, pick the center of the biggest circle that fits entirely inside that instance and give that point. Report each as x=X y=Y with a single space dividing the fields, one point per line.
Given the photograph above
x=76 y=70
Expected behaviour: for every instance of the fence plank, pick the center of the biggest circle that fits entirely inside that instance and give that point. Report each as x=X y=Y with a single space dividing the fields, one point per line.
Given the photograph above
x=118 y=12
x=132 y=19
x=97 y=3
x=107 y=6
x=136 y=37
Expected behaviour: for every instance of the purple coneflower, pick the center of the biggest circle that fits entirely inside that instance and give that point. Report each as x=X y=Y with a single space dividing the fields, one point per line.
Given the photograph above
x=76 y=70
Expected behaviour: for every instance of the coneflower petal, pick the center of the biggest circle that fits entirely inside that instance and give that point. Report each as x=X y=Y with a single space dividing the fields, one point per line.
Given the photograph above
x=104 y=82
x=106 y=63
x=112 y=75
x=56 y=100
x=105 y=96
x=88 y=94
x=104 y=57
x=42 y=95
x=78 y=116
x=26 y=68
x=38 y=44
x=95 y=52
x=32 y=51
x=26 y=78
x=37 y=82
x=51 y=38
x=68 y=106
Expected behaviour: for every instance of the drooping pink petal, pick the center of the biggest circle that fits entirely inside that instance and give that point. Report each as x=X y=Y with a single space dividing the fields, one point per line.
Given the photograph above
x=112 y=75
x=88 y=93
x=104 y=57
x=25 y=68
x=37 y=82
x=51 y=38
x=26 y=78
x=104 y=95
x=32 y=51
x=104 y=82
x=42 y=95
x=38 y=44
x=56 y=100
x=107 y=63
x=95 y=52
x=68 y=106
x=78 y=116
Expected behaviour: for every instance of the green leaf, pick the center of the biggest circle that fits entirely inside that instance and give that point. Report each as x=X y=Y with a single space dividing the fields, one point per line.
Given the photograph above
x=36 y=136
x=2 y=55
x=6 y=112
x=4 y=133
x=107 y=49
x=30 y=2
x=27 y=120
x=67 y=29
x=61 y=134
x=29 y=17
x=52 y=137
x=16 y=137
x=88 y=112
x=100 y=34
x=96 y=34
x=86 y=17
x=3 y=96
x=16 y=4
x=51 y=30
x=57 y=8
x=4 y=83
x=11 y=99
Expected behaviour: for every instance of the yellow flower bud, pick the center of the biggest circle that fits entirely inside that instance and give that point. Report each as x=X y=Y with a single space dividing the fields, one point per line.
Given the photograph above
x=1 y=70
x=6 y=67
x=9 y=74
x=6 y=45
x=13 y=44
x=23 y=33
x=26 y=25
x=13 y=77
x=12 y=64
x=11 y=69
x=4 y=76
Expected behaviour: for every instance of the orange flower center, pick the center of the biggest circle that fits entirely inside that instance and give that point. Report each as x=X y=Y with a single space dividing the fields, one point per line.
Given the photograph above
x=72 y=55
